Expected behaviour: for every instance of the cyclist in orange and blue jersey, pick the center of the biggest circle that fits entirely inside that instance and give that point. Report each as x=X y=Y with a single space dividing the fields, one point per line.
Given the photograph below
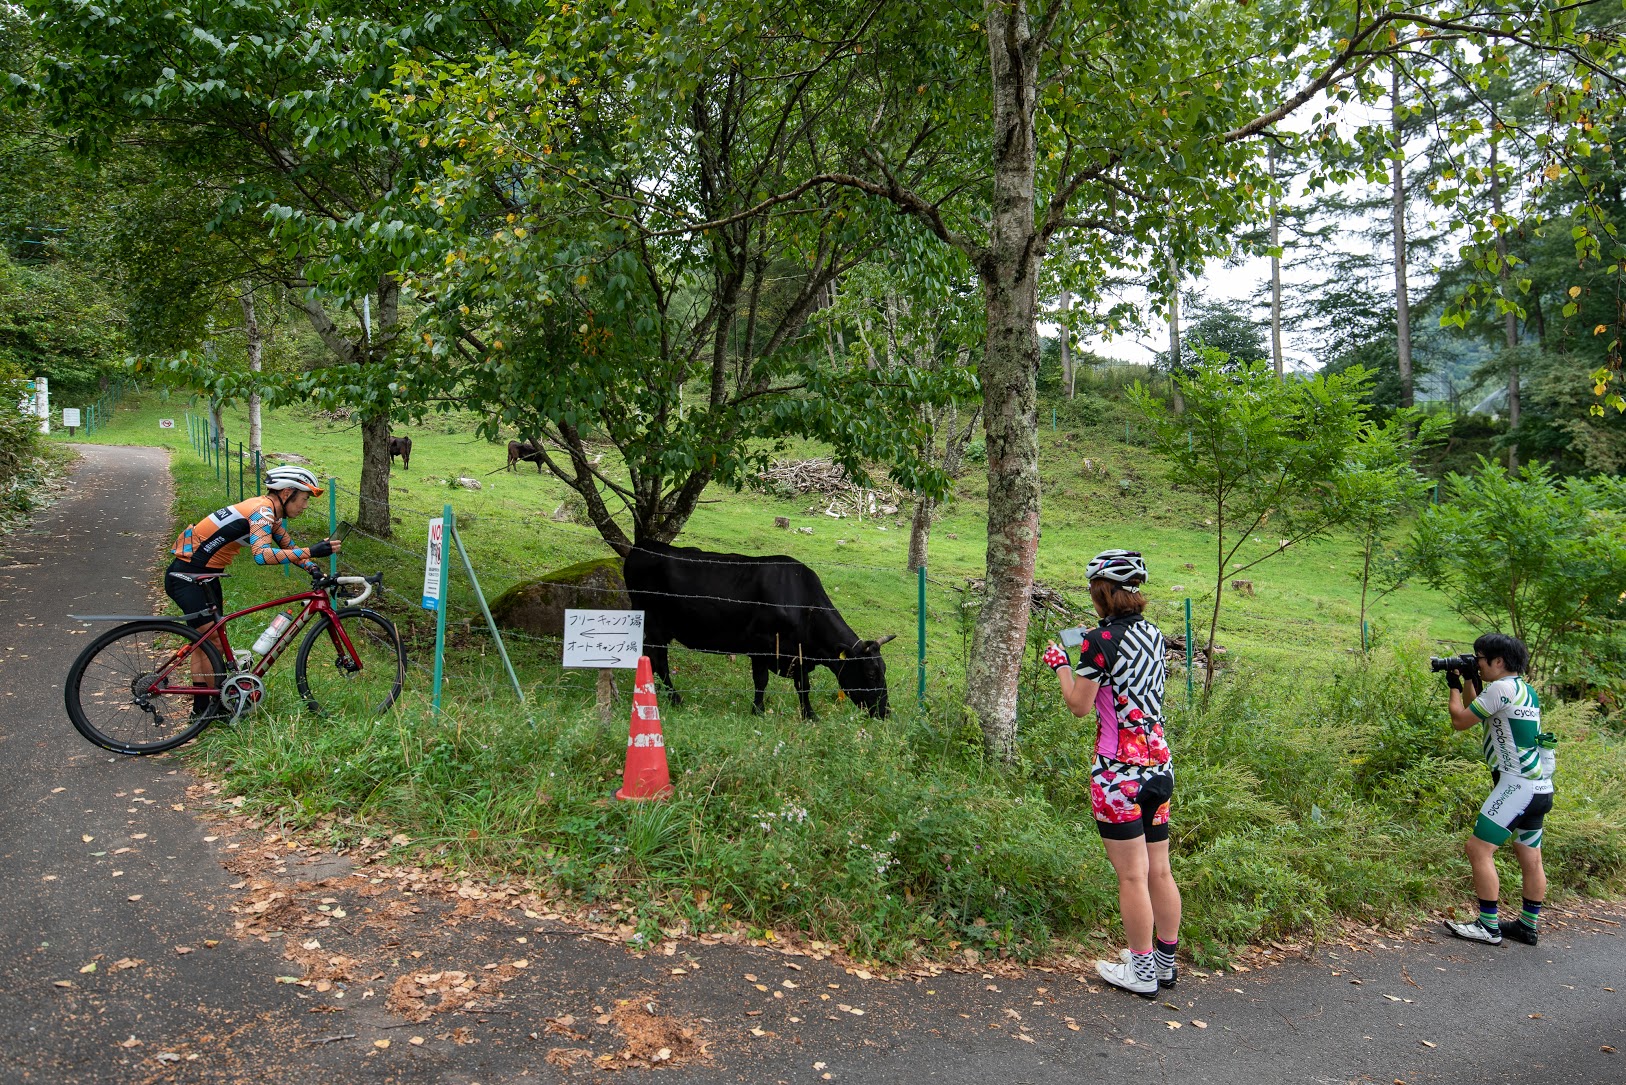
x=204 y=550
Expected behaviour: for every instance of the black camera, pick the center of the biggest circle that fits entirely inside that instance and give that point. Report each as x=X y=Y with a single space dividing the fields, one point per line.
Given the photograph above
x=1464 y=665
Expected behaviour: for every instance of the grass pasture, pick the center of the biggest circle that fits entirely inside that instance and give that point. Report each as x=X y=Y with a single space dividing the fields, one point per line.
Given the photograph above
x=1317 y=784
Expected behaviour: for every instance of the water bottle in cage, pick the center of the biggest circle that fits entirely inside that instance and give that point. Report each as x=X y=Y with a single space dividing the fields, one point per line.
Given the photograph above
x=272 y=633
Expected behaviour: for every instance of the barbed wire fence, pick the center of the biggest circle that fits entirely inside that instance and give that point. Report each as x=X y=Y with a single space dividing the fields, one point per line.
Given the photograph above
x=944 y=607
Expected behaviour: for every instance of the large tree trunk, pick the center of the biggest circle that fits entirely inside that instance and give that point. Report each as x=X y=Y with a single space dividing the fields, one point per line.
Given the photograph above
x=1275 y=274
x=374 y=515
x=256 y=354
x=1397 y=214
x=1510 y=320
x=1010 y=356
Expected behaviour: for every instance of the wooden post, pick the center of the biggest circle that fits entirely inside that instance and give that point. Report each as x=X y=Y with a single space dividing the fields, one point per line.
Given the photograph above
x=606 y=696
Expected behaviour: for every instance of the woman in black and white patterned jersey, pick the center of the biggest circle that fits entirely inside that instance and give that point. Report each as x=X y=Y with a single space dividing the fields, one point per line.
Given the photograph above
x=1120 y=676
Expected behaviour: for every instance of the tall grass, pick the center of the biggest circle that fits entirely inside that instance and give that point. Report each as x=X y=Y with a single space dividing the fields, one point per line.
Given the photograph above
x=1298 y=801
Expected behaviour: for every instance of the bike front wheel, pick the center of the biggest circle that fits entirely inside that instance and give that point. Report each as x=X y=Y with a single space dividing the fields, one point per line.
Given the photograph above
x=115 y=696
x=363 y=681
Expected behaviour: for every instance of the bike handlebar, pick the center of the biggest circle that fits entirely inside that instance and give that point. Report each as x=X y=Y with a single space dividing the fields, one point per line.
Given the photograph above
x=323 y=582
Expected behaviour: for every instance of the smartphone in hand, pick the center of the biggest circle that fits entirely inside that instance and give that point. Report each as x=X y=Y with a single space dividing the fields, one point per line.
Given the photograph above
x=1072 y=638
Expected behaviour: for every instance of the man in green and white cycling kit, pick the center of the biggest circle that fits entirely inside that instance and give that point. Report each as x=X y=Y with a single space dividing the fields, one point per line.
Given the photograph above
x=1521 y=760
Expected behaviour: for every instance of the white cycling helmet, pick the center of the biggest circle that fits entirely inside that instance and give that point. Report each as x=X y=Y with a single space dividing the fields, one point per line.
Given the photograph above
x=1119 y=566
x=289 y=477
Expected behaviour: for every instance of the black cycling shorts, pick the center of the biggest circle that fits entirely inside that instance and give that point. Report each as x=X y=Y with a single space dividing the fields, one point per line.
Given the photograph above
x=191 y=596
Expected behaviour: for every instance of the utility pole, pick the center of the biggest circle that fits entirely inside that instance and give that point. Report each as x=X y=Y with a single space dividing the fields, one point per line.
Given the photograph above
x=1398 y=217
x=1510 y=319
x=1275 y=270
x=1174 y=336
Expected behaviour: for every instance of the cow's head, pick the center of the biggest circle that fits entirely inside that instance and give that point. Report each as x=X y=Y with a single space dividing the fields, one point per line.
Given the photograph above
x=862 y=674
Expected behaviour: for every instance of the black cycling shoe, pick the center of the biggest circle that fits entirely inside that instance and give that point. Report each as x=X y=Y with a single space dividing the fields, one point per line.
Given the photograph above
x=1520 y=931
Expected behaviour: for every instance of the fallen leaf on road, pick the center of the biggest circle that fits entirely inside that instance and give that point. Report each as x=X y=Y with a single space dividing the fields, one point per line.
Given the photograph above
x=168 y=1056
x=131 y=1042
x=789 y=984
x=760 y=986
x=381 y=1044
x=138 y=836
x=750 y=978
x=1426 y=1043
x=87 y=839
x=91 y=967
x=1534 y=1016
x=210 y=943
x=1172 y=1025
x=210 y=839
x=1024 y=1036
x=522 y=963
x=1356 y=982
x=133 y=897
x=416 y=1041
x=680 y=971
x=58 y=790
x=126 y=962
x=758 y=1032
x=1073 y=1025
x=1199 y=1024
x=819 y=1066
x=62 y=983
x=1392 y=998
x=1607 y=1050
x=183 y=950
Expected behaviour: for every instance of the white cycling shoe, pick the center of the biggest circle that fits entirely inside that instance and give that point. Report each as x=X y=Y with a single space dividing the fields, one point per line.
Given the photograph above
x=1166 y=977
x=1122 y=975
x=1474 y=931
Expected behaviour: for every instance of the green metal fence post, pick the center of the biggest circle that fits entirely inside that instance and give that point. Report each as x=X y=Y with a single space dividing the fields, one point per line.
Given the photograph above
x=1366 y=638
x=491 y=623
x=1191 y=687
x=333 y=523
x=446 y=528
x=920 y=634
x=241 y=496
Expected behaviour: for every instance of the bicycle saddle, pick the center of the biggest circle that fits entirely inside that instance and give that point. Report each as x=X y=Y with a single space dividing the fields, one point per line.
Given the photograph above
x=198 y=578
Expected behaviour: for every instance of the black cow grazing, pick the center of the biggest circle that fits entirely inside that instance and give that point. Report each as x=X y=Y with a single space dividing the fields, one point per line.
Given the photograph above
x=524 y=451
x=402 y=447
x=773 y=609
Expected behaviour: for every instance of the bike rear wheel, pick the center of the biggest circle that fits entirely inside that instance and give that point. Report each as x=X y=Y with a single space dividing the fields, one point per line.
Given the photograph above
x=336 y=683
x=107 y=690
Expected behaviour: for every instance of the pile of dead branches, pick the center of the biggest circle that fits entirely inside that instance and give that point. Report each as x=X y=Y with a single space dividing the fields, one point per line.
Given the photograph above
x=1045 y=601
x=1175 y=653
x=839 y=495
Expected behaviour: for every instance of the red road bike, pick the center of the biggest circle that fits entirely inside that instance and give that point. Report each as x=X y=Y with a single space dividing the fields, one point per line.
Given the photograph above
x=133 y=691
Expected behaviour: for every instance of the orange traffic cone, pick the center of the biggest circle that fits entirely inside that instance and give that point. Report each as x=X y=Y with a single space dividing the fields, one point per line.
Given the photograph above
x=646 y=775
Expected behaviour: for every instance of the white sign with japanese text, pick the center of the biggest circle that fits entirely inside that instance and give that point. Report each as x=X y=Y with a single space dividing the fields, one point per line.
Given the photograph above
x=603 y=638
x=431 y=563
x=70 y=417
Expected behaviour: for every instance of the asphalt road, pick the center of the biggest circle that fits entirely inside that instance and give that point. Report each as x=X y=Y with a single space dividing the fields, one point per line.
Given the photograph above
x=124 y=861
